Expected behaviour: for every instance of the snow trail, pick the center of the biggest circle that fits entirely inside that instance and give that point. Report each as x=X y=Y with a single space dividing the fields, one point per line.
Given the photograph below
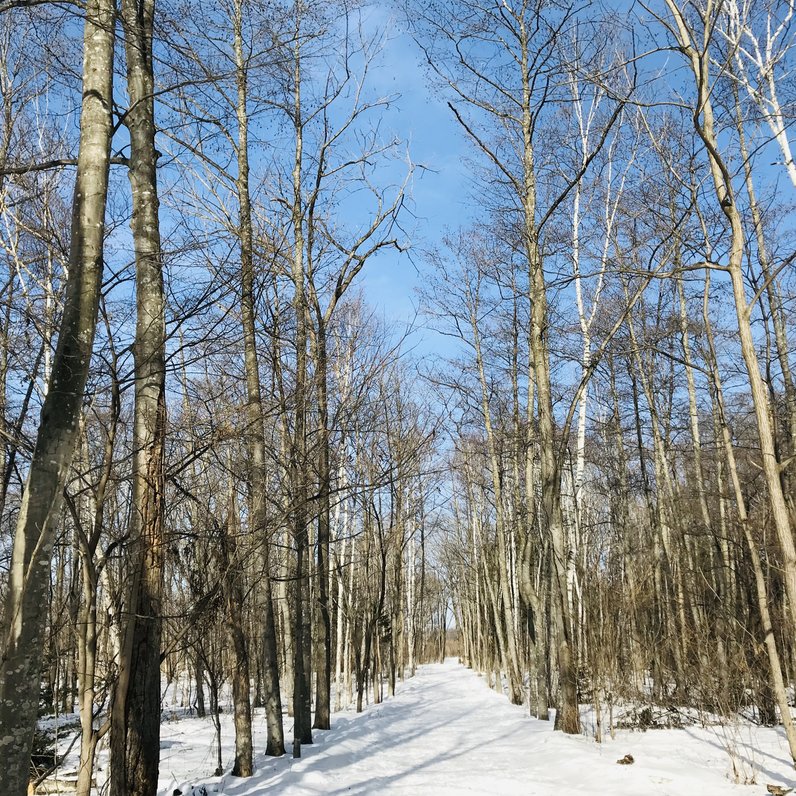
x=446 y=732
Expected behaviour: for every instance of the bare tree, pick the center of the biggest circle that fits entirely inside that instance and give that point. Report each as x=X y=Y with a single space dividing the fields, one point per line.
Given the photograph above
x=135 y=728
x=60 y=418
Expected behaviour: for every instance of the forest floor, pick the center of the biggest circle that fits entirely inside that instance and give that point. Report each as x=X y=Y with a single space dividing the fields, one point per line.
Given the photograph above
x=445 y=732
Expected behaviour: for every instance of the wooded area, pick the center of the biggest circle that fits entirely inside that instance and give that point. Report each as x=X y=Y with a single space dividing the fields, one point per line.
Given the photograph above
x=222 y=468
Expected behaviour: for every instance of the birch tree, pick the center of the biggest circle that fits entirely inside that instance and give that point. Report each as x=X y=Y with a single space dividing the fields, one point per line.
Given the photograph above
x=760 y=40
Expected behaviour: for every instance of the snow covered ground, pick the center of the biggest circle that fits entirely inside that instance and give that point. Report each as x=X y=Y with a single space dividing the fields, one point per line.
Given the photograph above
x=445 y=732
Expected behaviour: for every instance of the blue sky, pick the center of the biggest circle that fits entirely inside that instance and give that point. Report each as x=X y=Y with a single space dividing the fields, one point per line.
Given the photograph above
x=440 y=188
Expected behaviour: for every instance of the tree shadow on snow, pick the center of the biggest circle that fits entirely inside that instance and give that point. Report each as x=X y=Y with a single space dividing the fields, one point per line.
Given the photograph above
x=754 y=761
x=382 y=728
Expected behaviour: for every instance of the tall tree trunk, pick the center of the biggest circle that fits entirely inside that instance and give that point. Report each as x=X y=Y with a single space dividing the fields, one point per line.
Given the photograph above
x=302 y=637
x=27 y=600
x=258 y=479
x=135 y=741
x=567 y=718
x=324 y=673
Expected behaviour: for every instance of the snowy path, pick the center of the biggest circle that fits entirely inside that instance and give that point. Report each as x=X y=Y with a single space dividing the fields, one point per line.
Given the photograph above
x=446 y=732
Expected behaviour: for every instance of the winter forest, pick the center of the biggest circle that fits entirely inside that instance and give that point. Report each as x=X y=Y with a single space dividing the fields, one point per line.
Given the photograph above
x=340 y=339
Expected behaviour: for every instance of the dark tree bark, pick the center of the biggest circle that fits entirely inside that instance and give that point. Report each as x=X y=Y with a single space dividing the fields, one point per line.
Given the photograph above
x=135 y=741
x=324 y=675
x=234 y=594
x=302 y=637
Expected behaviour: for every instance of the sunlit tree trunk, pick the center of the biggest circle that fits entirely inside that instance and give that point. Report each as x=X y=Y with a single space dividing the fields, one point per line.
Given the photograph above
x=28 y=585
x=255 y=432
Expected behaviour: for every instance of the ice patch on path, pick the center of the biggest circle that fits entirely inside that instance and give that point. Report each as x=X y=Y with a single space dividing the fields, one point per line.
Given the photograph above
x=445 y=732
